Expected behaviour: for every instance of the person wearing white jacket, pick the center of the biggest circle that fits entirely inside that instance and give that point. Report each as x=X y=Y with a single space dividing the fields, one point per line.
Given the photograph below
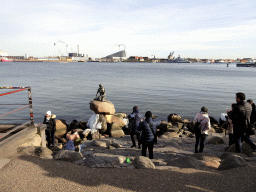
x=205 y=125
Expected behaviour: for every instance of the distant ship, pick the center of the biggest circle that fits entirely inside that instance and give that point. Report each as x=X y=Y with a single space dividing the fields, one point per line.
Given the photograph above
x=4 y=59
x=172 y=59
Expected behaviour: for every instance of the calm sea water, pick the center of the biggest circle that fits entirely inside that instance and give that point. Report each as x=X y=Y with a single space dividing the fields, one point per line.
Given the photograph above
x=163 y=88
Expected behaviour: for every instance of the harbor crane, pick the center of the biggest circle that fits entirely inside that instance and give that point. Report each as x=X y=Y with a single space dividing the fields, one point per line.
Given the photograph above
x=63 y=43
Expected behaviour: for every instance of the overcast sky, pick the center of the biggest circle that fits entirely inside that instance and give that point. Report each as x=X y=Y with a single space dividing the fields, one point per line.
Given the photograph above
x=196 y=29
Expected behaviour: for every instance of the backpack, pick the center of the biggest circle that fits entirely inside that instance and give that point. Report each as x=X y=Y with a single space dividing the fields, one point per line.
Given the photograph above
x=133 y=123
x=197 y=127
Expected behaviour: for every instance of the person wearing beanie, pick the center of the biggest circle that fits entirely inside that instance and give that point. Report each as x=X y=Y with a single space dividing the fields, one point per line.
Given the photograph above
x=203 y=118
x=134 y=119
x=49 y=120
x=148 y=131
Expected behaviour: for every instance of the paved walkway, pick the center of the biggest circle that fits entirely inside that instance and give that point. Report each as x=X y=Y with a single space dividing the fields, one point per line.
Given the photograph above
x=29 y=173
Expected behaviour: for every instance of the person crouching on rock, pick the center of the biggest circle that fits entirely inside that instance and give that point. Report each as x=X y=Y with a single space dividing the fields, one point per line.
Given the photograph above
x=205 y=126
x=49 y=120
x=134 y=119
x=148 y=131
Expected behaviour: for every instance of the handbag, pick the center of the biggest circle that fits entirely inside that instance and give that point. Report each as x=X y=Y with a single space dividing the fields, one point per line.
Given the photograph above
x=250 y=129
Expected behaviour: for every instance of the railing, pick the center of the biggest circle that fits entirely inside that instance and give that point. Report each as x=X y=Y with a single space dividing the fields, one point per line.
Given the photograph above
x=18 y=89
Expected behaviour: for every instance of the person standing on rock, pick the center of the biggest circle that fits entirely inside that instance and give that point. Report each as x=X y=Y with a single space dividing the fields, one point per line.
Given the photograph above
x=205 y=125
x=134 y=119
x=102 y=93
x=240 y=116
x=148 y=131
x=49 y=120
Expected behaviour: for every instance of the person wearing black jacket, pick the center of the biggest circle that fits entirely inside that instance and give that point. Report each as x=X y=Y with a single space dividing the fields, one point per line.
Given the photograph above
x=50 y=121
x=134 y=119
x=148 y=131
x=240 y=116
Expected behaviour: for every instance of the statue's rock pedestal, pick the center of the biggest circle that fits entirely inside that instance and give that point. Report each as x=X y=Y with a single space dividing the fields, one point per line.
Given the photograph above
x=102 y=107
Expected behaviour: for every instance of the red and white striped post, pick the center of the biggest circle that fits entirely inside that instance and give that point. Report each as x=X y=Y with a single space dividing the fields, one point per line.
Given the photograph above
x=30 y=105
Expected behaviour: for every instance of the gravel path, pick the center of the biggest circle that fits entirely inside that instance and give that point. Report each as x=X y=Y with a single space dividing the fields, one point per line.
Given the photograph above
x=30 y=173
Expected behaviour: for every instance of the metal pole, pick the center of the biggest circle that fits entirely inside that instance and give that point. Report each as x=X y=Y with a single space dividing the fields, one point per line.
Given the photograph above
x=30 y=106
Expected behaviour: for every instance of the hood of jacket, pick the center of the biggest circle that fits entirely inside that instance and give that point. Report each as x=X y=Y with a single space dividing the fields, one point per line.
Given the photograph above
x=135 y=110
x=53 y=116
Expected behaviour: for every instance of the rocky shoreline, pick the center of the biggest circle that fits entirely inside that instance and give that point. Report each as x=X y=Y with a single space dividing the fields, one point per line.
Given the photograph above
x=110 y=147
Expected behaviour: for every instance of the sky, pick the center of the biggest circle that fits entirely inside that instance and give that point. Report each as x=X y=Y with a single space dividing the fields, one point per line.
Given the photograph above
x=218 y=29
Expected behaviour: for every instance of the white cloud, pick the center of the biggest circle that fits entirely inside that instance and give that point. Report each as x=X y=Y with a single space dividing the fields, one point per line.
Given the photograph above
x=143 y=26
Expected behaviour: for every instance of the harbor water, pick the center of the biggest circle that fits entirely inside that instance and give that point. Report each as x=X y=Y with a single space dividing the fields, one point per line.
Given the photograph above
x=163 y=88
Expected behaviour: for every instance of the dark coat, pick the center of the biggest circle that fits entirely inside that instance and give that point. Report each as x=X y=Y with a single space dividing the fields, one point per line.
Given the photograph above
x=51 y=124
x=253 y=114
x=240 y=116
x=134 y=119
x=148 y=130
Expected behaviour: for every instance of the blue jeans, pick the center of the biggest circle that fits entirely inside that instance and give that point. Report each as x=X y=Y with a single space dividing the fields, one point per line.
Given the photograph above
x=200 y=138
x=237 y=139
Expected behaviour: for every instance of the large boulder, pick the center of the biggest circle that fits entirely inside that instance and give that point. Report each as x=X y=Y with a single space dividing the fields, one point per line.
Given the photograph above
x=61 y=129
x=215 y=140
x=141 y=162
x=103 y=160
x=82 y=125
x=246 y=149
x=174 y=118
x=233 y=161
x=185 y=121
x=109 y=118
x=100 y=107
x=35 y=140
x=212 y=164
x=103 y=120
x=206 y=156
x=227 y=154
x=99 y=143
x=186 y=162
x=67 y=155
x=95 y=134
x=164 y=126
x=169 y=135
x=121 y=115
x=117 y=133
x=32 y=150
x=118 y=121
x=43 y=152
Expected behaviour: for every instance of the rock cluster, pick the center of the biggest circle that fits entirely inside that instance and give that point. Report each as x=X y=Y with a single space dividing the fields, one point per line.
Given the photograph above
x=174 y=149
x=112 y=124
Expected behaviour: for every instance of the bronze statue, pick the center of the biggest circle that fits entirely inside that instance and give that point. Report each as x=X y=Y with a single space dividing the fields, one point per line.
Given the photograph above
x=102 y=93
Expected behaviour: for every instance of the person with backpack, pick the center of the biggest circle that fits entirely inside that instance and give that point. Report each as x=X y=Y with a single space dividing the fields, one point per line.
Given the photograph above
x=134 y=119
x=148 y=131
x=203 y=121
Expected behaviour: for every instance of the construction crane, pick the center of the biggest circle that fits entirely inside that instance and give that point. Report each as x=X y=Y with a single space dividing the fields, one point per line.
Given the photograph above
x=61 y=42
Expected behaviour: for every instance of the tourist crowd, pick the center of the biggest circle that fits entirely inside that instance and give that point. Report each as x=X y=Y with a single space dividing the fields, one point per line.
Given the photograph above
x=239 y=122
